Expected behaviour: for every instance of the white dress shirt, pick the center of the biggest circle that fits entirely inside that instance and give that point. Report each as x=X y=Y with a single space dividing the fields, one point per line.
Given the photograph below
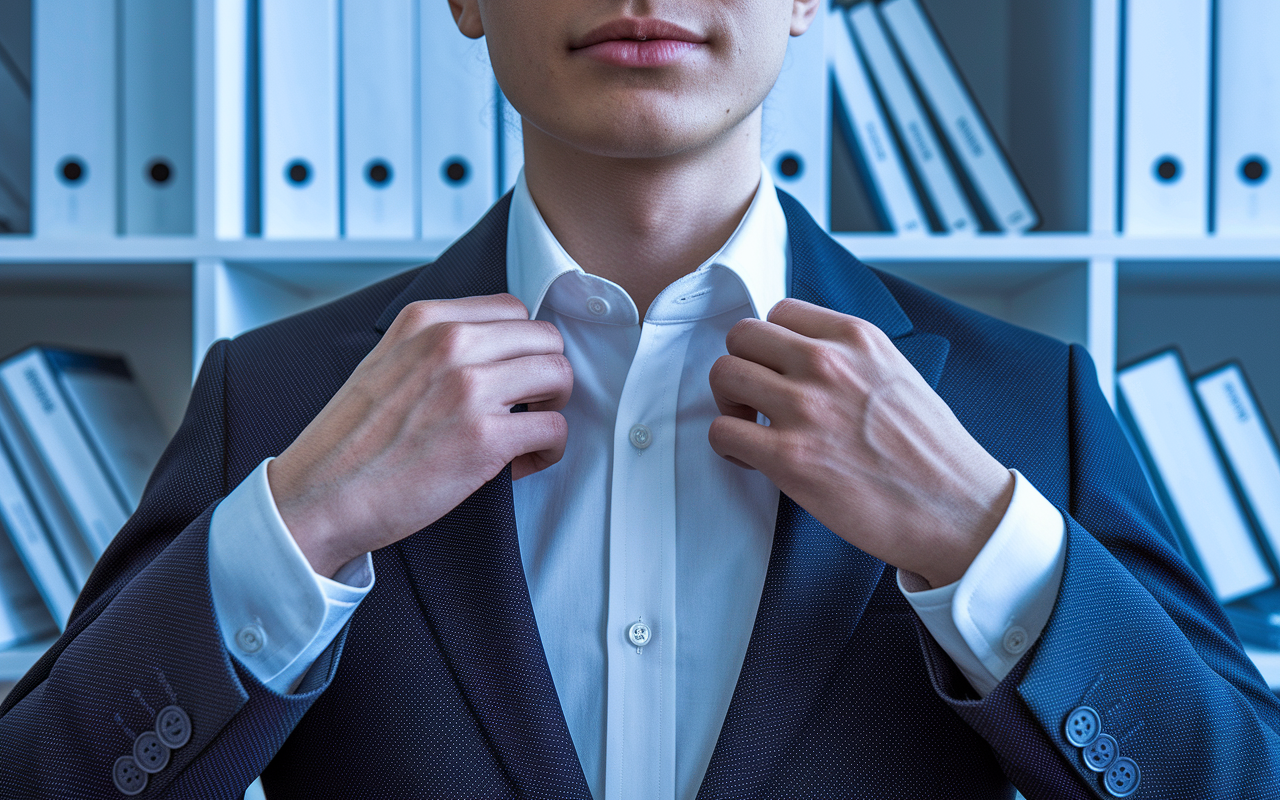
x=645 y=553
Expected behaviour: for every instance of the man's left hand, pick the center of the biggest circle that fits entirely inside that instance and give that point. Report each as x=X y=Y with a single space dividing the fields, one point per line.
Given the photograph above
x=857 y=438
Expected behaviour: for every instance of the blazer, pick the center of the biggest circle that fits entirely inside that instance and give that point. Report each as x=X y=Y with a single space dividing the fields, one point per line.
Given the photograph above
x=439 y=687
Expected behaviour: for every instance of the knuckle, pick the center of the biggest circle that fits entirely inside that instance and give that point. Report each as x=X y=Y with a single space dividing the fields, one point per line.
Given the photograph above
x=735 y=335
x=720 y=369
x=419 y=313
x=783 y=306
x=858 y=331
x=562 y=368
x=718 y=434
x=552 y=333
x=823 y=361
x=449 y=339
x=511 y=301
x=557 y=426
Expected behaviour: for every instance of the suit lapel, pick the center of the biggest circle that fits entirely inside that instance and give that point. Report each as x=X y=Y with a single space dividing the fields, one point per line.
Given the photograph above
x=817 y=585
x=474 y=265
x=467 y=574
x=469 y=580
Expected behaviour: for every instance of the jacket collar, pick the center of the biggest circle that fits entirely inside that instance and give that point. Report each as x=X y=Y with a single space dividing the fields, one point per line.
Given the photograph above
x=467 y=573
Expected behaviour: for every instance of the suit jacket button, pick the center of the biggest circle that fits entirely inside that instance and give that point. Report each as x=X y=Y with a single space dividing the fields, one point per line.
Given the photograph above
x=127 y=777
x=150 y=754
x=173 y=726
x=1122 y=778
x=1083 y=726
x=1100 y=753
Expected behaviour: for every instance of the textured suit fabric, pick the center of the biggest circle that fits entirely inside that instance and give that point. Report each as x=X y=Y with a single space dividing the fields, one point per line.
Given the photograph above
x=439 y=687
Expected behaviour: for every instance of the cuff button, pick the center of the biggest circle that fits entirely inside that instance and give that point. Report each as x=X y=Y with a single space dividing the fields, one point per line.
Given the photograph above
x=173 y=726
x=150 y=754
x=129 y=780
x=1122 y=778
x=1100 y=753
x=1083 y=726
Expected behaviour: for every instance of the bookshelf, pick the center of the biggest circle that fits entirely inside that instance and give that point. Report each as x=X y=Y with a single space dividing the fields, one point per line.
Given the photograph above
x=1047 y=76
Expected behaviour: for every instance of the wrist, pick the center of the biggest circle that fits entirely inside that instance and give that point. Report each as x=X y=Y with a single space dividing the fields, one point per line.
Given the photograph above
x=952 y=557
x=307 y=522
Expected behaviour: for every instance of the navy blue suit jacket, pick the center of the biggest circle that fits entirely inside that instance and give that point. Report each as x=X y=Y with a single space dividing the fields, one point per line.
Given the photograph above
x=439 y=687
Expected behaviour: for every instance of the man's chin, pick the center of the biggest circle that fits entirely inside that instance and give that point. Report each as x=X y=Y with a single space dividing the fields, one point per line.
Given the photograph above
x=641 y=135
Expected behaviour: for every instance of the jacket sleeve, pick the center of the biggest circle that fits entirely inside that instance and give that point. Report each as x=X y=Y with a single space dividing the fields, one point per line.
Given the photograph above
x=143 y=641
x=1136 y=638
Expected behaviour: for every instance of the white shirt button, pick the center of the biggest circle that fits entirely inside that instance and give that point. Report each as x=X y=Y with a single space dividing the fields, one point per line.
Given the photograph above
x=598 y=306
x=251 y=638
x=1015 y=640
x=639 y=634
x=641 y=436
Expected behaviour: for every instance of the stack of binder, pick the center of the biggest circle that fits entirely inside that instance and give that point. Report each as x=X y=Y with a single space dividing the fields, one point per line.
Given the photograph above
x=1212 y=460
x=1201 y=117
x=78 y=441
x=926 y=155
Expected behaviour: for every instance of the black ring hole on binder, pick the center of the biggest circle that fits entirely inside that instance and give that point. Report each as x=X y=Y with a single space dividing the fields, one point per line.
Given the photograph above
x=1254 y=169
x=71 y=170
x=456 y=171
x=1168 y=169
x=298 y=172
x=378 y=173
x=160 y=171
x=790 y=165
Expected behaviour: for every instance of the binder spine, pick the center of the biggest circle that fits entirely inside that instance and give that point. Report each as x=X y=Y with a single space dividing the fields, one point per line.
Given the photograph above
x=914 y=129
x=458 y=134
x=1247 y=136
x=969 y=134
x=1159 y=404
x=42 y=411
x=20 y=519
x=73 y=550
x=156 y=91
x=1166 y=117
x=379 y=55
x=299 y=41
x=74 y=105
x=867 y=131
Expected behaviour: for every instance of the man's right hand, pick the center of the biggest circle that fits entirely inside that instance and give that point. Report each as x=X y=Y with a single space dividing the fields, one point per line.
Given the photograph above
x=422 y=423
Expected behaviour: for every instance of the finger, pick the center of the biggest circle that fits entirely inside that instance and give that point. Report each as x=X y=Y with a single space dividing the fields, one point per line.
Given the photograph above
x=541 y=383
x=484 y=342
x=815 y=322
x=741 y=442
x=738 y=384
x=766 y=343
x=536 y=440
x=421 y=314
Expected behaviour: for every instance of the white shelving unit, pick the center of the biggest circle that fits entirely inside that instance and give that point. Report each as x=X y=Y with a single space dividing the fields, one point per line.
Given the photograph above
x=1047 y=76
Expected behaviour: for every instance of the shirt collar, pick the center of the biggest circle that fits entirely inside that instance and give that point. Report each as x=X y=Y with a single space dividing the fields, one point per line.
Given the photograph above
x=756 y=252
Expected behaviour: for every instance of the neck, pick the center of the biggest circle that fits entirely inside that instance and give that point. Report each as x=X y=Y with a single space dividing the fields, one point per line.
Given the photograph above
x=644 y=222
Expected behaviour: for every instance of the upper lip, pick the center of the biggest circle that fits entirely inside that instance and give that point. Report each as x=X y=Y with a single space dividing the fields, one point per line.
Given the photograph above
x=639 y=29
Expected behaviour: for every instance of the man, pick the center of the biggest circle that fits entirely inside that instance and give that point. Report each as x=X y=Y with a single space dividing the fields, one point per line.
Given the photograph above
x=861 y=542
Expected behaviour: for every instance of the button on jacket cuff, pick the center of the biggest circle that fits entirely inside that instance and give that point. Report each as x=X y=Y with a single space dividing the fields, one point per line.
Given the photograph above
x=990 y=617
x=275 y=613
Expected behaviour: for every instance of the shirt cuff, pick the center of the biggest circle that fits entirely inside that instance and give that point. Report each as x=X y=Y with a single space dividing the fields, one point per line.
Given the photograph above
x=997 y=610
x=275 y=613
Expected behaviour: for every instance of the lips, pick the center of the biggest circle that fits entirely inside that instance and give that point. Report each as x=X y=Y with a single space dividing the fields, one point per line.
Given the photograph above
x=638 y=42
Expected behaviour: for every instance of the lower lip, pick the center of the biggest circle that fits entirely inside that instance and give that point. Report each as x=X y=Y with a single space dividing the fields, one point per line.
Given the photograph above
x=632 y=53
